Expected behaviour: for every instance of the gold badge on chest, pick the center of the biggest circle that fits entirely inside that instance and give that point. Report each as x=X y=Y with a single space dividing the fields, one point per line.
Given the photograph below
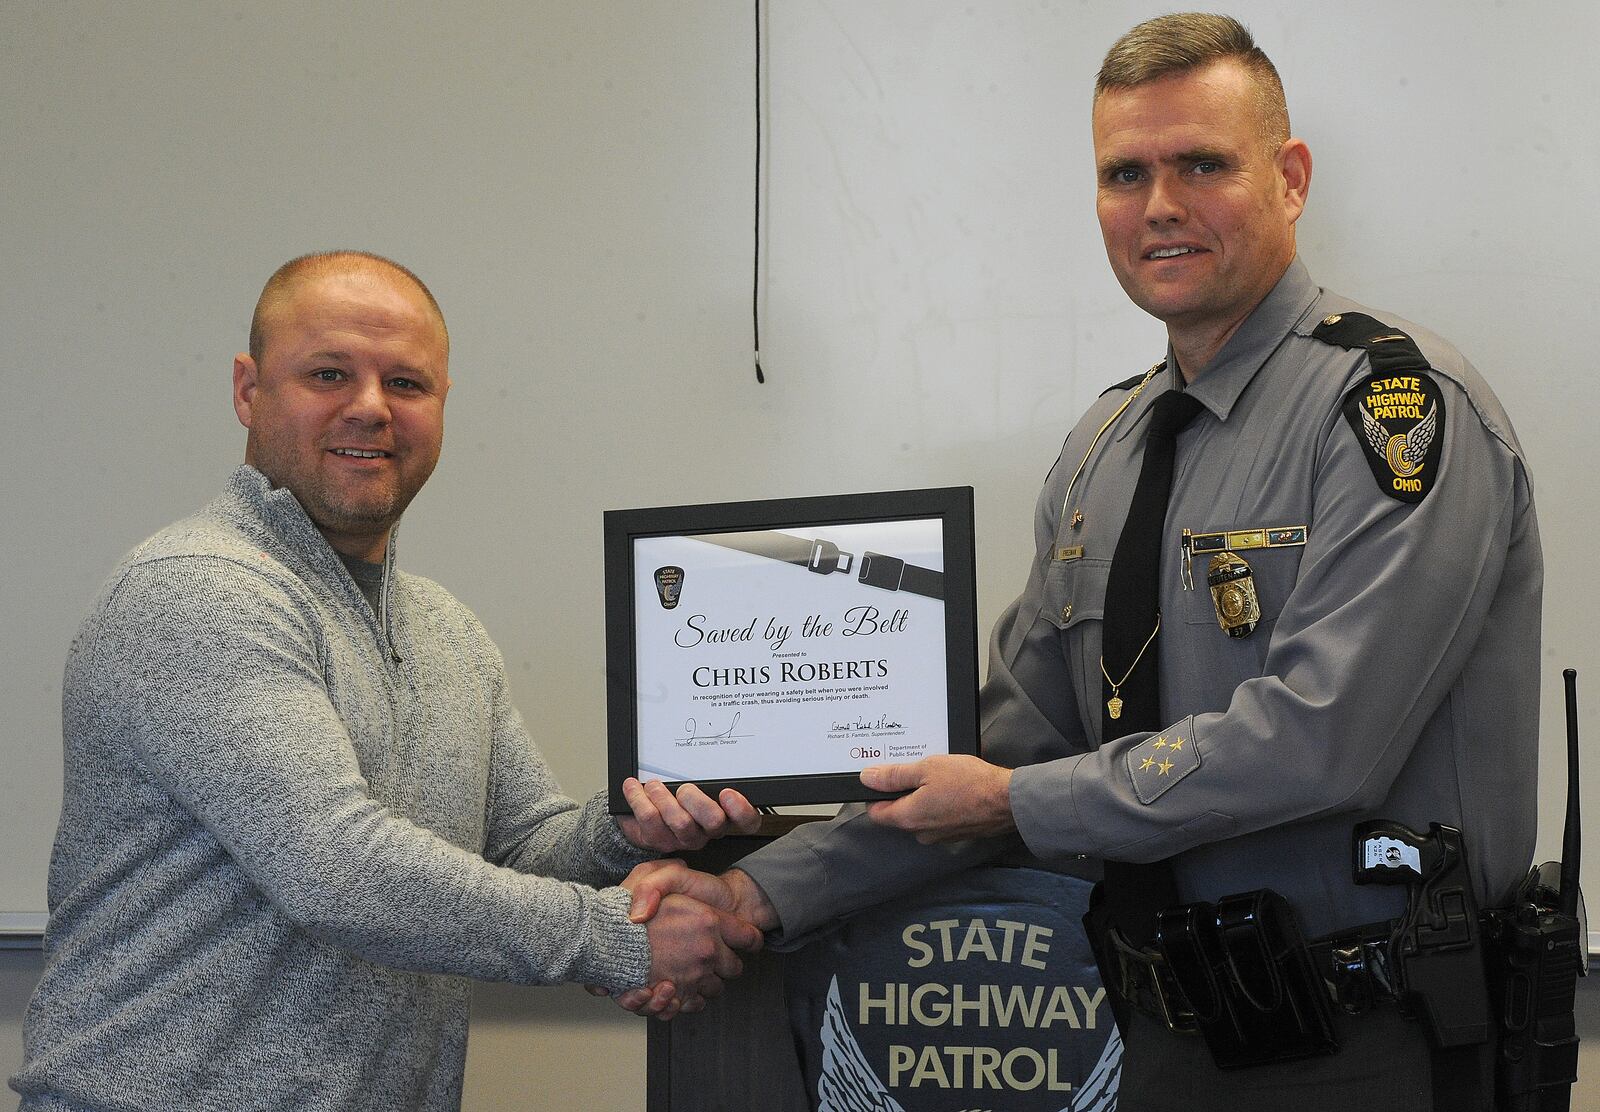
x=1233 y=594
x=1233 y=586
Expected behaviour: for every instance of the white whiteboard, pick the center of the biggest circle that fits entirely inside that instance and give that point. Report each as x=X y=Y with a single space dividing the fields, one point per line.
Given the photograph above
x=574 y=181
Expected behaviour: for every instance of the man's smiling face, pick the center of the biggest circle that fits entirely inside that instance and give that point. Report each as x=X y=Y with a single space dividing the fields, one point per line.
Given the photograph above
x=346 y=405
x=1194 y=203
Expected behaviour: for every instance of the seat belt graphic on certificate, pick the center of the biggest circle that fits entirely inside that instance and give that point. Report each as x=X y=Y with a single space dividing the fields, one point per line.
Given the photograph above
x=887 y=573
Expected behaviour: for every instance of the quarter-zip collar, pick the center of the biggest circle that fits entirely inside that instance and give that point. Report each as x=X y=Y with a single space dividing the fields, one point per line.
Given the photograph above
x=300 y=542
x=385 y=613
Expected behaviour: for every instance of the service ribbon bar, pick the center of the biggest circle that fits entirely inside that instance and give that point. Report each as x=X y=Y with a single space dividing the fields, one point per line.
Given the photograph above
x=1242 y=540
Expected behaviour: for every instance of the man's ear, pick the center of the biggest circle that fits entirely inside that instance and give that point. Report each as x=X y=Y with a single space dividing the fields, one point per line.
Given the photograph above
x=1294 y=163
x=244 y=387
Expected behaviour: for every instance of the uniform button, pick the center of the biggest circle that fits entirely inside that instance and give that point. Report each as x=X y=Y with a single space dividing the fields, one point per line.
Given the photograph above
x=1066 y=612
x=1334 y=319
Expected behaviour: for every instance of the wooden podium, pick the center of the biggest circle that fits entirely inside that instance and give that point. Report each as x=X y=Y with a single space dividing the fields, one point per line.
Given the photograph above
x=738 y=1054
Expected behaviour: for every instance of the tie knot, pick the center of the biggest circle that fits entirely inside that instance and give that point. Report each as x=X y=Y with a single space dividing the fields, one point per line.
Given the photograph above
x=1171 y=412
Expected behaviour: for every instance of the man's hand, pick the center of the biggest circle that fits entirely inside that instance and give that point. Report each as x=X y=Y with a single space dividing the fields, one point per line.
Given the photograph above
x=952 y=797
x=692 y=950
x=652 y=883
x=671 y=824
x=733 y=891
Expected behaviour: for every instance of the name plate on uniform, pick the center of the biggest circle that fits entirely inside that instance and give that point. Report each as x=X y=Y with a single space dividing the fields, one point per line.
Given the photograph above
x=779 y=647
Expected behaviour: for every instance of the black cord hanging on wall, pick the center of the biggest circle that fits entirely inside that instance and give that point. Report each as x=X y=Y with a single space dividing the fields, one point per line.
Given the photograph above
x=755 y=268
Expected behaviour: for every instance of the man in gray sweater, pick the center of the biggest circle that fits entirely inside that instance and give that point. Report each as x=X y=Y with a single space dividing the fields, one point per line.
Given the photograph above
x=299 y=808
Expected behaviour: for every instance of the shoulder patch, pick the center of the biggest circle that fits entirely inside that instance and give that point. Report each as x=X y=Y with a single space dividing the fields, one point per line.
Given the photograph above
x=1398 y=419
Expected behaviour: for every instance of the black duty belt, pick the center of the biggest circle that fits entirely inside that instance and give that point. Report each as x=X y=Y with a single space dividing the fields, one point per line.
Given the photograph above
x=1354 y=966
x=1355 y=971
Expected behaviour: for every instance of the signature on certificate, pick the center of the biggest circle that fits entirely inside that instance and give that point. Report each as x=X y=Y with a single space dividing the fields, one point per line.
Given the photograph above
x=694 y=731
x=882 y=722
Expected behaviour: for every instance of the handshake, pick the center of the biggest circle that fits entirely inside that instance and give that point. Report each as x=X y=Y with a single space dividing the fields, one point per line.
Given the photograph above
x=698 y=925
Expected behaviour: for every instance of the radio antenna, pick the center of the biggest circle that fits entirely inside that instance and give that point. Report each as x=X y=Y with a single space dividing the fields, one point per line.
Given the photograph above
x=1571 y=838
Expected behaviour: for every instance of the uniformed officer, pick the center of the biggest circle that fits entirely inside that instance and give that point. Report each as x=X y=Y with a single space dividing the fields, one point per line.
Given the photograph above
x=1349 y=597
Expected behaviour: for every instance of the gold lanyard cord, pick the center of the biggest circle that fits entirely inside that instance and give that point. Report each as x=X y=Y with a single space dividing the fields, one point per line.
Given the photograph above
x=1126 y=402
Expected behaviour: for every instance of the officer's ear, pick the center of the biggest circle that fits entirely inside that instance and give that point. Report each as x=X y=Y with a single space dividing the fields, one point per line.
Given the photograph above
x=1294 y=166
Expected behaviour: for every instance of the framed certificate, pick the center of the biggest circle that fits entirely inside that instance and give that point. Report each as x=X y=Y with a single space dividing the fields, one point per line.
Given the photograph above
x=780 y=647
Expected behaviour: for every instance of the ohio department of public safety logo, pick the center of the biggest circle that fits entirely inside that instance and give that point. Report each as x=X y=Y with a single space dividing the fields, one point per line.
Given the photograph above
x=1399 y=421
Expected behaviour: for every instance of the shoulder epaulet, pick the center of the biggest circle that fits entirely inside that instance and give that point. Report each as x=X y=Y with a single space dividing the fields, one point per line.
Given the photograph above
x=1126 y=384
x=1397 y=413
x=1387 y=347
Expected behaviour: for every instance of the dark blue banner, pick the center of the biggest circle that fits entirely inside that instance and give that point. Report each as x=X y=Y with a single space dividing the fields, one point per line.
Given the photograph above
x=976 y=994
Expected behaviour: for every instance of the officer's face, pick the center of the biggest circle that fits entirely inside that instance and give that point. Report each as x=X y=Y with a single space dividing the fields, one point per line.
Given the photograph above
x=346 y=408
x=1197 y=213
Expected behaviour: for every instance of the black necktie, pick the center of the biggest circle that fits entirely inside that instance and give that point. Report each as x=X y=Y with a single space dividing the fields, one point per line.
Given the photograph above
x=1130 y=674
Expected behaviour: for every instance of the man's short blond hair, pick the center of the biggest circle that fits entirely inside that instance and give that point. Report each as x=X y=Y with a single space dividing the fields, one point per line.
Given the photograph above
x=1187 y=41
x=316 y=265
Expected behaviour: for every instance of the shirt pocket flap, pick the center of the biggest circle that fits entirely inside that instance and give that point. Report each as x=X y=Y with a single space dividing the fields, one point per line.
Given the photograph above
x=1075 y=591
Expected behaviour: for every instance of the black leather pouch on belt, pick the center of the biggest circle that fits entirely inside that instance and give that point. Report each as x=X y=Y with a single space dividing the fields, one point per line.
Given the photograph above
x=1249 y=979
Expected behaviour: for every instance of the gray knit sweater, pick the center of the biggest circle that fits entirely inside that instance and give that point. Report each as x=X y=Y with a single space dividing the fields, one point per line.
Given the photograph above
x=291 y=829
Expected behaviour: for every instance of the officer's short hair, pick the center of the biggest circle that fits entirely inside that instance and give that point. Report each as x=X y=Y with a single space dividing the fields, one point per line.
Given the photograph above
x=315 y=265
x=1185 y=41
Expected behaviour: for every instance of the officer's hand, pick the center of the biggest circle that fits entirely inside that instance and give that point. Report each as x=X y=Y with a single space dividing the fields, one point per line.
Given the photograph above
x=734 y=891
x=670 y=823
x=952 y=797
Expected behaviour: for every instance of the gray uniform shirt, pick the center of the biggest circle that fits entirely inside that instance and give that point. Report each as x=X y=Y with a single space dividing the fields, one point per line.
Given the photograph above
x=1394 y=672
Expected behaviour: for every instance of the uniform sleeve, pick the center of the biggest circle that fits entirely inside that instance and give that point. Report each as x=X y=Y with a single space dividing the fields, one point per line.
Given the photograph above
x=1390 y=599
x=822 y=873
x=220 y=687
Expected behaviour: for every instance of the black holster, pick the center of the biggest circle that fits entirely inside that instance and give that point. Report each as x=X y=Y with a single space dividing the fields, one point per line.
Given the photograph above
x=1248 y=977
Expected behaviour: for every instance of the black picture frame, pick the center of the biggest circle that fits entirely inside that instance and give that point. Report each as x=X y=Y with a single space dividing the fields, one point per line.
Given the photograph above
x=789 y=517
